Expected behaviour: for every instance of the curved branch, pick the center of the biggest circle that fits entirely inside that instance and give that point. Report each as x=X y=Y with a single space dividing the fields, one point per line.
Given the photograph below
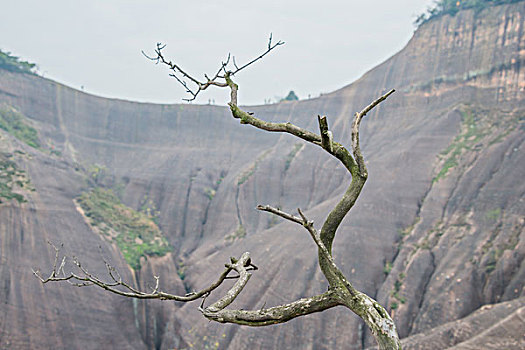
x=356 y=166
x=87 y=279
x=241 y=266
x=374 y=315
x=359 y=175
x=333 y=274
x=355 y=132
x=337 y=150
x=377 y=319
x=273 y=315
x=276 y=314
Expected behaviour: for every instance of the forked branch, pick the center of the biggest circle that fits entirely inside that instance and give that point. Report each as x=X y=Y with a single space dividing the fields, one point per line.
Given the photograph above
x=116 y=285
x=263 y=317
x=323 y=251
x=218 y=79
x=372 y=313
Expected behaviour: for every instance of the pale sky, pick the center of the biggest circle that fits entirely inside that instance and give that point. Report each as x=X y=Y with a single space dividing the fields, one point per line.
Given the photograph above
x=97 y=43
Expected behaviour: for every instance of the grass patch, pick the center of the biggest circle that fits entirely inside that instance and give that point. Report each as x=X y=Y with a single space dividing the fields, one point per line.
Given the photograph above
x=405 y=232
x=479 y=129
x=56 y=153
x=492 y=215
x=209 y=193
x=97 y=173
x=492 y=260
x=246 y=174
x=181 y=270
x=219 y=180
x=12 y=179
x=135 y=233
x=469 y=136
x=14 y=123
x=239 y=233
x=397 y=287
x=387 y=268
x=149 y=209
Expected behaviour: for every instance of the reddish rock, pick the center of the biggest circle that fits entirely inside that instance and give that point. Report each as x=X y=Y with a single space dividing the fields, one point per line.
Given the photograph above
x=453 y=232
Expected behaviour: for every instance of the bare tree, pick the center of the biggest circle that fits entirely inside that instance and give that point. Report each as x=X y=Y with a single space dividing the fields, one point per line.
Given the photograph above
x=340 y=292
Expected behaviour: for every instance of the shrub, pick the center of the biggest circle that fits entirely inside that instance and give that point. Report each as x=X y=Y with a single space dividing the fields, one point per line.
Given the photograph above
x=291 y=96
x=14 y=64
x=451 y=7
x=13 y=122
x=134 y=232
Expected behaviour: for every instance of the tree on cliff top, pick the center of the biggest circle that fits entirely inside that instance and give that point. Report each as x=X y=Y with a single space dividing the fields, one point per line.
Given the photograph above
x=291 y=96
x=15 y=64
x=341 y=292
x=451 y=7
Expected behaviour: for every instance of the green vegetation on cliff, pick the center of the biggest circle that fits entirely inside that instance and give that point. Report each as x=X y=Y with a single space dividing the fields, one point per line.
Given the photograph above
x=467 y=138
x=14 y=64
x=14 y=123
x=11 y=179
x=291 y=96
x=135 y=233
x=239 y=233
x=479 y=129
x=451 y=7
x=247 y=173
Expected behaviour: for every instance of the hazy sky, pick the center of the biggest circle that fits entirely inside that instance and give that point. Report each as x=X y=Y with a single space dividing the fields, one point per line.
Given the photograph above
x=97 y=43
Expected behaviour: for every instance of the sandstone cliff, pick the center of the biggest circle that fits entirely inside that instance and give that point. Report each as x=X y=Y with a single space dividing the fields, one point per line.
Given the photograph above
x=436 y=234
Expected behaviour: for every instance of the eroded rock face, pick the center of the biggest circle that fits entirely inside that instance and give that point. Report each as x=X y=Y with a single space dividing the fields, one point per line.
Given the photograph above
x=490 y=327
x=442 y=211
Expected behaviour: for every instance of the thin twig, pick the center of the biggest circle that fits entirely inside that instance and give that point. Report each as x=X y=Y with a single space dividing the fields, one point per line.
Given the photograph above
x=355 y=133
x=280 y=213
x=270 y=48
x=118 y=286
x=217 y=80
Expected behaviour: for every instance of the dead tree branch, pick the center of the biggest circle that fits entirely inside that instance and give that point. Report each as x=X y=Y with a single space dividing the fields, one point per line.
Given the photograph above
x=117 y=286
x=218 y=79
x=275 y=315
x=340 y=292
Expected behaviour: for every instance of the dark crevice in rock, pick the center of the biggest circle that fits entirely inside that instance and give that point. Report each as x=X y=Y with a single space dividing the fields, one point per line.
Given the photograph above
x=311 y=193
x=204 y=219
x=186 y=204
x=417 y=217
x=494 y=170
x=237 y=208
x=310 y=277
x=505 y=26
x=425 y=287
